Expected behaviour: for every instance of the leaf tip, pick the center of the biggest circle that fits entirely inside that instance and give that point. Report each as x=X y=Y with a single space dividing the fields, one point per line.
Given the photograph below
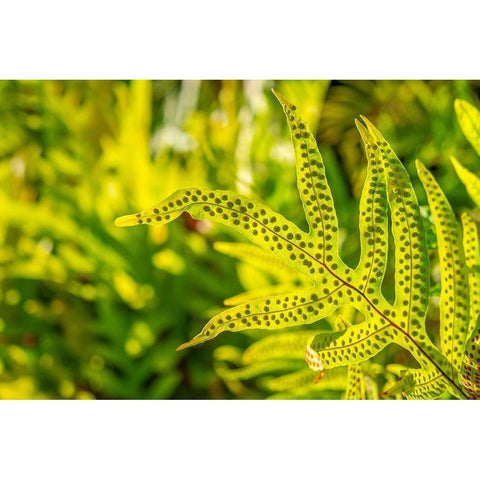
x=183 y=346
x=467 y=219
x=460 y=105
x=280 y=97
x=200 y=338
x=421 y=169
x=362 y=130
x=372 y=129
x=126 y=221
x=456 y=164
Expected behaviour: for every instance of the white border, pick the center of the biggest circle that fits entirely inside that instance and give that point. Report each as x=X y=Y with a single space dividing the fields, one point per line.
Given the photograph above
x=258 y=39
x=238 y=440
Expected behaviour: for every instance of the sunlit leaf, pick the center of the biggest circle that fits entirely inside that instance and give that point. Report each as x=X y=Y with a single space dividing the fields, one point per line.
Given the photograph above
x=356 y=388
x=469 y=179
x=454 y=296
x=472 y=257
x=469 y=119
x=306 y=380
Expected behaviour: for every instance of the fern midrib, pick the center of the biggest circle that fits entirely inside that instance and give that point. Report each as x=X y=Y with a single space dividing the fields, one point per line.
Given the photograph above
x=428 y=381
x=301 y=305
x=407 y=335
x=357 y=341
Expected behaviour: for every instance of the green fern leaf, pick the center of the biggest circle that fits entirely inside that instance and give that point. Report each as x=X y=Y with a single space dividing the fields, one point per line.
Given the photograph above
x=371 y=389
x=257 y=369
x=454 y=296
x=472 y=257
x=259 y=258
x=356 y=344
x=257 y=294
x=288 y=279
x=306 y=380
x=316 y=255
x=426 y=385
x=469 y=179
x=419 y=384
x=469 y=119
x=282 y=345
x=312 y=185
x=301 y=307
x=470 y=370
x=404 y=323
x=356 y=388
x=373 y=219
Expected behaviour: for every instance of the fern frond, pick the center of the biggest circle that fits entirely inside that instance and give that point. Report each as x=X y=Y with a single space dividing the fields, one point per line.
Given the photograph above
x=424 y=384
x=299 y=308
x=282 y=345
x=288 y=278
x=315 y=255
x=314 y=190
x=255 y=221
x=257 y=369
x=470 y=371
x=228 y=353
x=373 y=219
x=306 y=380
x=371 y=389
x=259 y=258
x=411 y=256
x=469 y=119
x=472 y=257
x=469 y=179
x=356 y=388
x=454 y=296
x=354 y=345
x=257 y=294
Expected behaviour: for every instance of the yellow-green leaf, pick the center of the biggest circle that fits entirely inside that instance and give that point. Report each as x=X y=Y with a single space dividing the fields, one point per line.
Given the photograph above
x=307 y=380
x=470 y=371
x=356 y=388
x=354 y=345
x=454 y=296
x=469 y=179
x=259 y=258
x=298 y=308
x=373 y=219
x=424 y=384
x=472 y=257
x=469 y=119
x=281 y=345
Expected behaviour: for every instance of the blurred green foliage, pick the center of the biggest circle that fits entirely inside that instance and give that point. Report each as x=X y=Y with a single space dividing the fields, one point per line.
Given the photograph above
x=88 y=310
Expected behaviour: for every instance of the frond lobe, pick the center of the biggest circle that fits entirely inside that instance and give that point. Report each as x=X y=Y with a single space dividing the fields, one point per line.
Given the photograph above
x=312 y=184
x=454 y=296
x=469 y=179
x=298 y=308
